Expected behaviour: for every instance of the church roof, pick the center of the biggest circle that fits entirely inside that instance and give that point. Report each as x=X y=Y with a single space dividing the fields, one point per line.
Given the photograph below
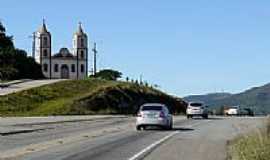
x=79 y=30
x=43 y=28
x=64 y=52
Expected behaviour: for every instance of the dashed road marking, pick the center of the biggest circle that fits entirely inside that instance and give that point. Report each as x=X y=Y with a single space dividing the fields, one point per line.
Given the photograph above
x=152 y=146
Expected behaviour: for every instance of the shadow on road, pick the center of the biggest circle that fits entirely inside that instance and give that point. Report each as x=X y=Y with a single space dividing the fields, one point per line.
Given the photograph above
x=182 y=129
x=209 y=118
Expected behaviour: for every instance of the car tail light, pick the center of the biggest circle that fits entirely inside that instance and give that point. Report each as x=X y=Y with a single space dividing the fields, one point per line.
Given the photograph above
x=162 y=115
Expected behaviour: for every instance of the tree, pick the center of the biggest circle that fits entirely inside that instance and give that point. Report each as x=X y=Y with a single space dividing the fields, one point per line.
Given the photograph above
x=108 y=74
x=5 y=41
x=14 y=63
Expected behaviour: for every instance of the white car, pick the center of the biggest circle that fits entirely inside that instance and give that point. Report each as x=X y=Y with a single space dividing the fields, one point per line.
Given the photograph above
x=154 y=114
x=197 y=109
x=232 y=111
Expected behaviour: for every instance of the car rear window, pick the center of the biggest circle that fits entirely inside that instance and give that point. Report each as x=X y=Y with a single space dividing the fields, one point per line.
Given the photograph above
x=196 y=104
x=151 y=108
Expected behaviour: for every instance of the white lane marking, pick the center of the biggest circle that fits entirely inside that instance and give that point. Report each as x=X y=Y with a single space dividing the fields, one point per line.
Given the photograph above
x=198 y=123
x=153 y=145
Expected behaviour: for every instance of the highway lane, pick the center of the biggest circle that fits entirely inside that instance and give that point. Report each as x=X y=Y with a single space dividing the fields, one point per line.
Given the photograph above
x=123 y=144
x=62 y=137
x=50 y=131
x=117 y=139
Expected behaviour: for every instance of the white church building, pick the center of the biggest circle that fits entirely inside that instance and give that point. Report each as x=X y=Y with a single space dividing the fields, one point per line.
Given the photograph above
x=65 y=64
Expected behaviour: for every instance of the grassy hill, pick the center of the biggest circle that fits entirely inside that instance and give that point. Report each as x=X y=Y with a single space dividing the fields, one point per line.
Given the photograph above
x=78 y=97
x=257 y=98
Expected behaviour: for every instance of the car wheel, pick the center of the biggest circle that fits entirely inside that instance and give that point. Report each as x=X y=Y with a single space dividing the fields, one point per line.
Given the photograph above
x=138 y=128
x=171 y=126
x=205 y=116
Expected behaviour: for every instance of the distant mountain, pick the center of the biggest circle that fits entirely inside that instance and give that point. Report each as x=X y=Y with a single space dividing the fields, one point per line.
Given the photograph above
x=257 y=98
x=208 y=98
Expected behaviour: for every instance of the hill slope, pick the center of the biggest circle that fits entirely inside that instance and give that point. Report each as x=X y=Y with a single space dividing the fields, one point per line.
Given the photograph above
x=208 y=98
x=91 y=96
x=257 y=98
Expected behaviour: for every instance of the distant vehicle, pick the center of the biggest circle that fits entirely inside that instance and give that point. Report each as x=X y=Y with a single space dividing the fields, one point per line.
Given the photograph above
x=197 y=109
x=246 y=112
x=232 y=111
x=154 y=114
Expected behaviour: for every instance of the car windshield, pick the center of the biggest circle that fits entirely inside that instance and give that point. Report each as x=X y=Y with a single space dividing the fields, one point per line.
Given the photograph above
x=151 y=108
x=196 y=104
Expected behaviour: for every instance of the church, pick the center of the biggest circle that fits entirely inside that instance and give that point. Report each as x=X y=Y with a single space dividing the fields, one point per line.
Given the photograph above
x=65 y=64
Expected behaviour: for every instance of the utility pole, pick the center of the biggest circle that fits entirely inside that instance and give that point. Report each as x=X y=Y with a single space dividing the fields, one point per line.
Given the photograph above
x=33 y=44
x=95 y=58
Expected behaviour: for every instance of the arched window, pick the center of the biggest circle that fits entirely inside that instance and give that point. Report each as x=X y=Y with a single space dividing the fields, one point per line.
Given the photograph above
x=73 y=68
x=82 y=54
x=82 y=68
x=45 y=41
x=56 y=68
x=45 y=53
x=82 y=42
x=45 y=67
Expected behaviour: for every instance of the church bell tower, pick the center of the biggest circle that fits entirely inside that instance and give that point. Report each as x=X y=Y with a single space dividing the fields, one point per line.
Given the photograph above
x=43 y=50
x=80 y=50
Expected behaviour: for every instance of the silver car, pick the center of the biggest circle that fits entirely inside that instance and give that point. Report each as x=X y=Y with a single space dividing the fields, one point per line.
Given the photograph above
x=154 y=114
x=197 y=109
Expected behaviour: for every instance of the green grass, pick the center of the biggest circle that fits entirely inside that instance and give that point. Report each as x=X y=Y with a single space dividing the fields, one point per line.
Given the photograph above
x=92 y=96
x=255 y=146
x=4 y=81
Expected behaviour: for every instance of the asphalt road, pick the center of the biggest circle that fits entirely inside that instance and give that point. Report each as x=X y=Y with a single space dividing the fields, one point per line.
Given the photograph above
x=26 y=85
x=116 y=139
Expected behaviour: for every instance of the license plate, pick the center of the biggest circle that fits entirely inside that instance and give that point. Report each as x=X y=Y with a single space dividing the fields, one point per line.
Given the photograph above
x=150 y=115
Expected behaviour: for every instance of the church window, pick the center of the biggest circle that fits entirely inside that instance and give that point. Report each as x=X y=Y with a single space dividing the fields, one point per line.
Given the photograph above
x=56 y=68
x=82 y=42
x=82 y=54
x=73 y=68
x=45 y=41
x=45 y=67
x=82 y=68
x=45 y=53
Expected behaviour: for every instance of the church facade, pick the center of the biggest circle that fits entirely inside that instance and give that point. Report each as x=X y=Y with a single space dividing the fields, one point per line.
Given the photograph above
x=65 y=64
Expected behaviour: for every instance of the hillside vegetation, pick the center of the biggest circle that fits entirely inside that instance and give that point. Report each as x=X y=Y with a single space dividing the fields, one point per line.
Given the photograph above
x=78 y=97
x=14 y=63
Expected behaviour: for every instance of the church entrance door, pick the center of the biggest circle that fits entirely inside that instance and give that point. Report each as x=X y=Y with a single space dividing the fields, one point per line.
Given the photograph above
x=64 y=72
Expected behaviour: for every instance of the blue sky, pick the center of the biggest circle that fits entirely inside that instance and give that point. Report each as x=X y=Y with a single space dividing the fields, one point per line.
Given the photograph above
x=186 y=47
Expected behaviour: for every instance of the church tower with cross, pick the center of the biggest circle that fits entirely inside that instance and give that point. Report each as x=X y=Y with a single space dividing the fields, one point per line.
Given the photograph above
x=64 y=64
x=43 y=49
